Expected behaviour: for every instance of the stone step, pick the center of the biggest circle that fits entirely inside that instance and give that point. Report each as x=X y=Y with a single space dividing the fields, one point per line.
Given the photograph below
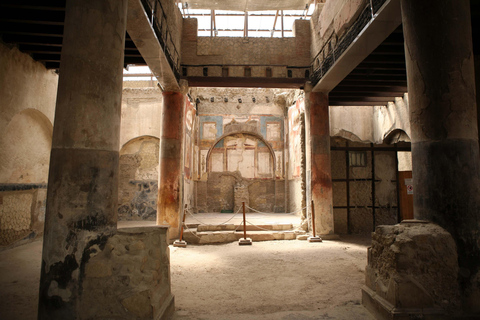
x=223 y=227
x=193 y=236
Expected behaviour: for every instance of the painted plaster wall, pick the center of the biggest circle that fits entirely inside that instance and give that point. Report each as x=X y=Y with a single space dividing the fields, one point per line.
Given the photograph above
x=240 y=117
x=190 y=156
x=370 y=124
x=141 y=111
x=139 y=154
x=27 y=105
x=236 y=53
x=138 y=179
x=394 y=116
x=296 y=159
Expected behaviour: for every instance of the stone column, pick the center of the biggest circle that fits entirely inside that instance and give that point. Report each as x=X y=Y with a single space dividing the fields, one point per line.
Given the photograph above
x=443 y=116
x=316 y=110
x=82 y=183
x=171 y=164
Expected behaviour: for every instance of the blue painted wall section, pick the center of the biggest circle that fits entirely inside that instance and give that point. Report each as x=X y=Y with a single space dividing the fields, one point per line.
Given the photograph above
x=219 y=125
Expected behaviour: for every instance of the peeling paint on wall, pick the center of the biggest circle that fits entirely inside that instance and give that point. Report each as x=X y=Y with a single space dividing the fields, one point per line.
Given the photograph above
x=138 y=179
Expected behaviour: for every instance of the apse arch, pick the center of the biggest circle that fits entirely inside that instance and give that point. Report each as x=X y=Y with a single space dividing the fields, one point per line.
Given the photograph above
x=247 y=133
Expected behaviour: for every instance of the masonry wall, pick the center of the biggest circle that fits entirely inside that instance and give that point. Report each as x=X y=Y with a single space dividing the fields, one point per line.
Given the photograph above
x=27 y=107
x=236 y=53
x=139 y=154
x=241 y=149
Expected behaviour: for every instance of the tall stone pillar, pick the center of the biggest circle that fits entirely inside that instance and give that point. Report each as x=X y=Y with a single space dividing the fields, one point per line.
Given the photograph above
x=316 y=110
x=443 y=115
x=170 y=177
x=82 y=183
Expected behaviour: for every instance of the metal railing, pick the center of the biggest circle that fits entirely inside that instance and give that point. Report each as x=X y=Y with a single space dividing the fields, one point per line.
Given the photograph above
x=158 y=20
x=334 y=48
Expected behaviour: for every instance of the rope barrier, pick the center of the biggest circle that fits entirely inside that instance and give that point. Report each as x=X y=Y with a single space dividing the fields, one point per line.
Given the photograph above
x=208 y=224
x=290 y=213
x=241 y=223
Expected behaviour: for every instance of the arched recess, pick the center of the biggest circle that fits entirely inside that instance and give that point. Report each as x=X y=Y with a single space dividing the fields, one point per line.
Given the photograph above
x=25 y=146
x=396 y=135
x=248 y=133
x=138 y=179
x=348 y=135
x=130 y=142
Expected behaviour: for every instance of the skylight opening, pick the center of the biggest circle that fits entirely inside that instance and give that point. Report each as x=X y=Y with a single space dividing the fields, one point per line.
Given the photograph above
x=266 y=24
x=138 y=73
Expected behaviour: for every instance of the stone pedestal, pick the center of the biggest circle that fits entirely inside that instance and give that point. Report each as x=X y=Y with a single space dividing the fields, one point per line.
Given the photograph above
x=443 y=117
x=316 y=109
x=171 y=164
x=83 y=179
x=412 y=272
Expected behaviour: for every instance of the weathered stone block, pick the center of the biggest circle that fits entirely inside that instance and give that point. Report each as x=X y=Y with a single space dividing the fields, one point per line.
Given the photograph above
x=130 y=277
x=412 y=269
x=139 y=305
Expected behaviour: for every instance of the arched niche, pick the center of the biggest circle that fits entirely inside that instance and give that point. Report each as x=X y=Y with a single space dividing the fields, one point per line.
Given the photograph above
x=138 y=179
x=252 y=134
x=395 y=136
x=25 y=146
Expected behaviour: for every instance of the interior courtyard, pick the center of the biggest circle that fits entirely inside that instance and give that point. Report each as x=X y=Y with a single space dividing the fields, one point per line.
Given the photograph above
x=286 y=159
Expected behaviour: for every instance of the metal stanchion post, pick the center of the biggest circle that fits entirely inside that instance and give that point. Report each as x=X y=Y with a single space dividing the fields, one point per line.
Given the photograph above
x=180 y=243
x=245 y=241
x=314 y=238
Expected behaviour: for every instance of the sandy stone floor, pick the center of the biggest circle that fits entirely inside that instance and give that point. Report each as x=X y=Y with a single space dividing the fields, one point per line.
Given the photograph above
x=268 y=280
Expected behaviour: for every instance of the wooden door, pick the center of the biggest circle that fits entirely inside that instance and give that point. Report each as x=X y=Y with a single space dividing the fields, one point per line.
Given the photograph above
x=406 y=194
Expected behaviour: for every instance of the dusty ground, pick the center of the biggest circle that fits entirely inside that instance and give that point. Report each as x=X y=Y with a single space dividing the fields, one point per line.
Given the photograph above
x=268 y=280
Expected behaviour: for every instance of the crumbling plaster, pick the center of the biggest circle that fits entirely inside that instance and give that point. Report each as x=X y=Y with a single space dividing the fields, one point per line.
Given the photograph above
x=138 y=179
x=332 y=19
x=141 y=111
x=28 y=92
x=370 y=124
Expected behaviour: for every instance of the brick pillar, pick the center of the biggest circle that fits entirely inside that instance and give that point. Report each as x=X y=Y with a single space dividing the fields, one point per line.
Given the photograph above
x=170 y=177
x=83 y=178
x=316 y=109
x=443 y=116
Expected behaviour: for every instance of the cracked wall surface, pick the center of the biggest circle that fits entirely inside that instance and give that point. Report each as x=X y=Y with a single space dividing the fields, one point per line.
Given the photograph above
x=138 y=179
x=28 y=92
x=241 y=141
